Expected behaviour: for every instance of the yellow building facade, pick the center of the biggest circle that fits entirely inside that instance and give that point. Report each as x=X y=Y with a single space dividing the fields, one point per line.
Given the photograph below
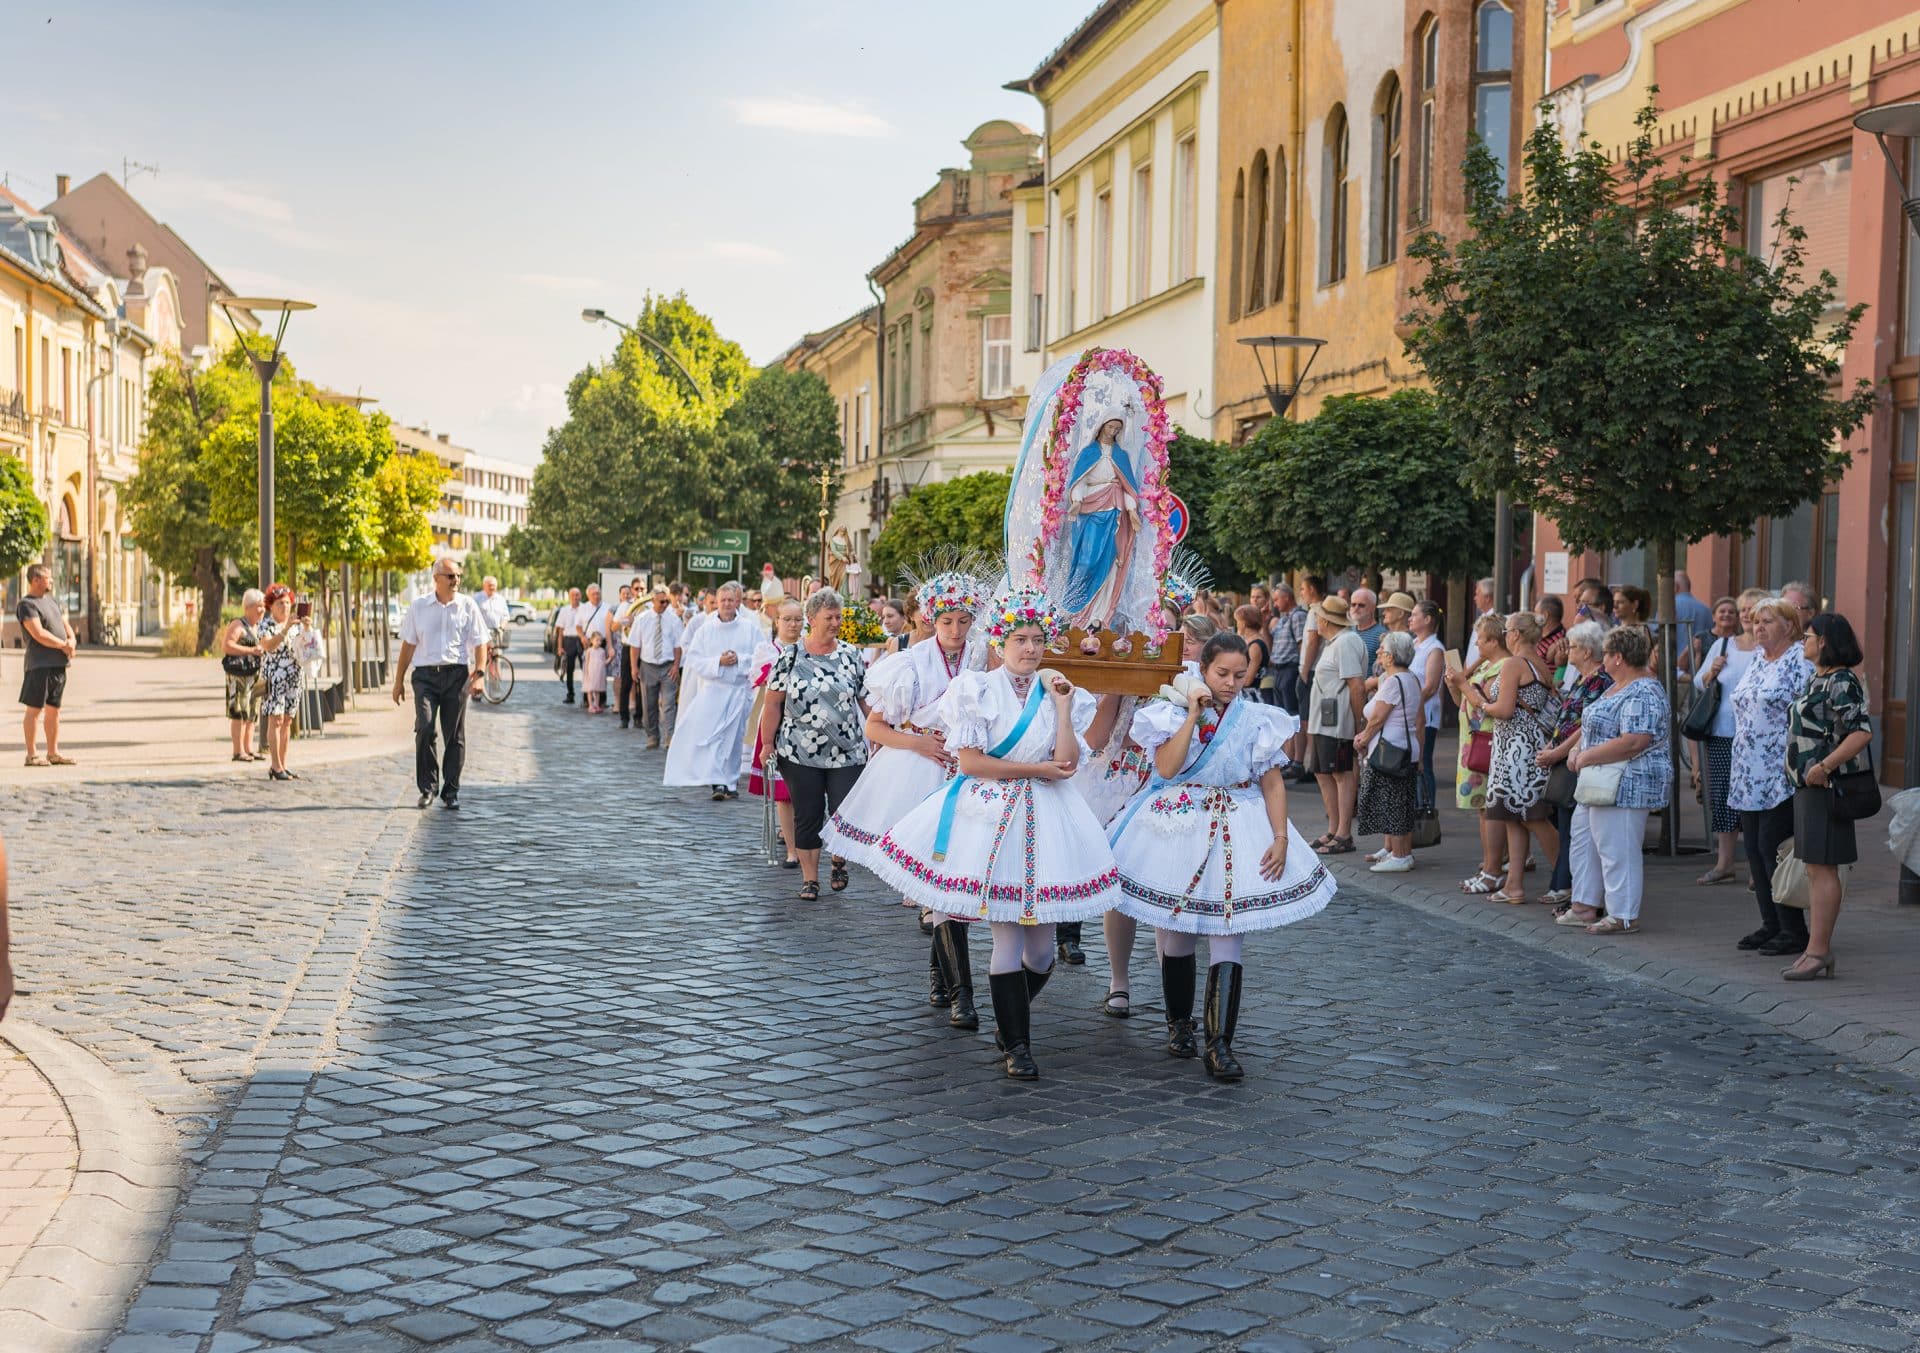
x=844 y=356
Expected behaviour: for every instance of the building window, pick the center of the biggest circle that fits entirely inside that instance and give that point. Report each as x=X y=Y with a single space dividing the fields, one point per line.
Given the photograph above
x=1258 y=189
x=1186 y=207
x=1140 y=247
x=1277 y=288
x=1103 y=254
x=1069 y=270
x=1333 y=199
x=906 y=368
x=892 y=389
x=1428 y=45
x=1036 y=289
x=996 y=356
x=66 y=386
x=1385 y=243
x=1815 y=198
x=1236 y=260
x=1493 y=81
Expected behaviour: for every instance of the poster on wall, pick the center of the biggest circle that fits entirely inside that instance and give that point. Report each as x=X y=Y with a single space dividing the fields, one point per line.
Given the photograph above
x=1553 y=573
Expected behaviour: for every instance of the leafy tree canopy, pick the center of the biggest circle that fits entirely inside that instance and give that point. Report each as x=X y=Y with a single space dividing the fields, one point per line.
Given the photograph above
x=1365 y=483
x=23 y=518
x=968 y=512
x=406 y=488
x=1194 y=466
x=1610 y=356
x=776 y=440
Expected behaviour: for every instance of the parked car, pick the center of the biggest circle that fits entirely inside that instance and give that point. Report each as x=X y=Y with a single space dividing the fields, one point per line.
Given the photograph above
x=519 y=613
x=552 y=643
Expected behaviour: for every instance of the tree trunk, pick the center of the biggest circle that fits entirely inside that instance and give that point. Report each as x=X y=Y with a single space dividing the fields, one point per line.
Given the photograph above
x=1664 y=564
x=213 y=595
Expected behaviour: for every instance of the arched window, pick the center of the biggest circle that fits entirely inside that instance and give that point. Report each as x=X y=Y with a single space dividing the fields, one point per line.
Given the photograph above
x=1333 y=199
x=1493 y=80
x=1384 y=235
x=1277 y=289
x=1427 y=45
x=1258 y=189
x=1238 y=257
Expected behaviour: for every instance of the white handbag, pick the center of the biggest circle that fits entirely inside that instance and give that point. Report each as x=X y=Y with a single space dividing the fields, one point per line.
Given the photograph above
x=1599 y=786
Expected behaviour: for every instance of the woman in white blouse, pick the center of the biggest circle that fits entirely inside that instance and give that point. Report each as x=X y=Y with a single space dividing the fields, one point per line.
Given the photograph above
x=1758 y=788
x=1722 y=661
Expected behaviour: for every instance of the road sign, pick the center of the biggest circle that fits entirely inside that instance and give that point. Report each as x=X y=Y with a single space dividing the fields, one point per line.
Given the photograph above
x=724 y=542
x=709 y=561
x=1178 y=518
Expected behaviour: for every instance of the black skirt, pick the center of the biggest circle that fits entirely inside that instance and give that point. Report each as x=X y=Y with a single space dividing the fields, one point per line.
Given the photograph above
x=1818 y=836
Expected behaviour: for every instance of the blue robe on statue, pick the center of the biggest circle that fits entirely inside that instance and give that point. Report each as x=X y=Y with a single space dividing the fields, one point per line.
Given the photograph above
x=1094 y=536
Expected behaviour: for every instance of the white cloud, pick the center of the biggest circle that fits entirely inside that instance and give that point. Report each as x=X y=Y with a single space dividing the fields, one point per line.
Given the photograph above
x=553 y=281
x=809 y=116
x=242 y=203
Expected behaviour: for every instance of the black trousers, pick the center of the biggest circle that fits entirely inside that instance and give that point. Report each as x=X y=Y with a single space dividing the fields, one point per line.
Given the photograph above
x=439 y=693
x=816 y=791
x=1763 y=832
x=569 y=660
x=629 y=693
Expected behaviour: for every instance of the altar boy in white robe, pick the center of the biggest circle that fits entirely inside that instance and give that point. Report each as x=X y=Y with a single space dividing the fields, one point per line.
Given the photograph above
x=707 y=740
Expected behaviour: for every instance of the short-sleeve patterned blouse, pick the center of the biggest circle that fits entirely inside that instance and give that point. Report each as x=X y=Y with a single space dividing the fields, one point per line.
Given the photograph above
x=820 y=722
x=1833 y=706
x=1762 y=704
x=1640 y=706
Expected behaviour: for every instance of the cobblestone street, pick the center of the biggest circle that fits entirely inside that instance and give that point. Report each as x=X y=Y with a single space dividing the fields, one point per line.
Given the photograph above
x=572 y=1068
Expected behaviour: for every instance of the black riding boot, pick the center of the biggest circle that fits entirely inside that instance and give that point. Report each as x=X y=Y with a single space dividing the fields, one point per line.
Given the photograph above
x=1222 y=1013
x=1011 y=1013
x=956 y=966
x=1067 y=939
x=939 y=995
x=1176 y=994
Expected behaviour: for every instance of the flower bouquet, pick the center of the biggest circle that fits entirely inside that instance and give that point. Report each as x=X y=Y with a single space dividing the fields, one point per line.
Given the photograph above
x=859 y=625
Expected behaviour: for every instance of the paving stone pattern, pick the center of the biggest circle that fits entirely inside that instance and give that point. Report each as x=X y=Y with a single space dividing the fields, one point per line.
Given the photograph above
x=594 y=1080
x=37 y=1155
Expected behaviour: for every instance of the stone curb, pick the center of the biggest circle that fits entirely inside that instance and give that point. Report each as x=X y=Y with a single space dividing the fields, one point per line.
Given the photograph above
x=1854 y=1040
x=71 y=1286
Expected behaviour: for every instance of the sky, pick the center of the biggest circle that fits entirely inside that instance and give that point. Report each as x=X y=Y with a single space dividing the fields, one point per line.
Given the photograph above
x=452 y=183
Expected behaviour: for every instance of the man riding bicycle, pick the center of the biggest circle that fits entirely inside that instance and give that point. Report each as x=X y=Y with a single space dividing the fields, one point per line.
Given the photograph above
x=493 y=609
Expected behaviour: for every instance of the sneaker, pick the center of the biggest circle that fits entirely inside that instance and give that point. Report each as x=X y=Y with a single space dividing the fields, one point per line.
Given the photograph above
x=1374 y=857
x=1393 y=864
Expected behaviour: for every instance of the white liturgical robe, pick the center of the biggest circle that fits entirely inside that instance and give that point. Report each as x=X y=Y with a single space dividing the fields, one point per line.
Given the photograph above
x=707 y=736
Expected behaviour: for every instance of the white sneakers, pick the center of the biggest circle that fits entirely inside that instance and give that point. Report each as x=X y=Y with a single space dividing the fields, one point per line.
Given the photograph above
x=1392 y=864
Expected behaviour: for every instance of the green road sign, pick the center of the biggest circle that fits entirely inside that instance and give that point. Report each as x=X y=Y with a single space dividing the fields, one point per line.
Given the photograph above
x=724 y=542
x=708 y=561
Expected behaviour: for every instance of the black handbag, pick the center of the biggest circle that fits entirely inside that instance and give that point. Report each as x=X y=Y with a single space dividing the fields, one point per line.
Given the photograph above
x=1394 y=762
x=1854 y=795
x=1706 y=705
x=1561 y=781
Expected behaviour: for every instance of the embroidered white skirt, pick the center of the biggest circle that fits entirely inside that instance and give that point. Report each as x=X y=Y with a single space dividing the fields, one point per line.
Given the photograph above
x=1189 y=860
x=894 y=781
x=1016 y=850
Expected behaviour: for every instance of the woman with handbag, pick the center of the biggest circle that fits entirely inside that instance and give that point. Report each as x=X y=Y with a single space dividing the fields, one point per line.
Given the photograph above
x=1585 y=644
x=1828 y=736
x=1625 y=768
x=1717 y=669
x=1757 y=784
x=1390 y=747
x=1523 y=705
x=240 y=658
x=1475 y=758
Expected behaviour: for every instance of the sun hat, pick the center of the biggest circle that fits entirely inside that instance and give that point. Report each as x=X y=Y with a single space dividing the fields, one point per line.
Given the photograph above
x=1398 y=601
x=1333 y=610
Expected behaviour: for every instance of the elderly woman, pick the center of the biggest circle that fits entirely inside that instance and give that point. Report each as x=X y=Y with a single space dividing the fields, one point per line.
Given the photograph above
x=1828 y=734
x=1758 y=787
x=281 y=668
x=1718 y=666
x=1430 y=666
x=1625 y=728
x=1523 y=705
x=1470 y=785
x=814 y=722
x=240 y=657
x=788 y=624
x=1585 y=651
x=1395 y=716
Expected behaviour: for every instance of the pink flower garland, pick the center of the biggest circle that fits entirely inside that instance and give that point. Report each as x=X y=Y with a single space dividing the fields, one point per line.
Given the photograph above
x=1156 y=500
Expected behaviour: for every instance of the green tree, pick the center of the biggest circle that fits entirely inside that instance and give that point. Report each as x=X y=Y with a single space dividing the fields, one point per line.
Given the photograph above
x=169 y=498
x=1368 y=483
x=485 y=563
x=547 y=564
x=23 y=518
x=1194 y=466
x=968 y=512
x=638 y=470
x=777 y=438
x=406 y=488
x=1610 y=356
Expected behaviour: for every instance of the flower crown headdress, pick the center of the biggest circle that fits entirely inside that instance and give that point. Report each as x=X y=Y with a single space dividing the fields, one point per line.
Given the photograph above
x=949 y=579
x=1023 y=607
x=1187 y=577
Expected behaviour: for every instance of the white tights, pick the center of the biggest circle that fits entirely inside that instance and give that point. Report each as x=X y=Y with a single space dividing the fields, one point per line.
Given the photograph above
x=1179 y=944
x=1016 y=946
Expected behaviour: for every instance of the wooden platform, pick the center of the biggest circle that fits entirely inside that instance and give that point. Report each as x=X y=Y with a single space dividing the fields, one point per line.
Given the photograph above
x=1110 y=673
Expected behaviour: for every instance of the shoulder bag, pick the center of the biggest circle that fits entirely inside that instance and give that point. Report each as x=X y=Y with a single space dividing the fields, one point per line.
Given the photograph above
x=242 y=664
x=1705 y=707
x=1599 y=786
x=1854 y=794
x=1388 y=759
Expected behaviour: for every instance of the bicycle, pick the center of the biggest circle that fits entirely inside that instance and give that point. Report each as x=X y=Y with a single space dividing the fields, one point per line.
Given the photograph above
x=497 y=683
x=110 y=633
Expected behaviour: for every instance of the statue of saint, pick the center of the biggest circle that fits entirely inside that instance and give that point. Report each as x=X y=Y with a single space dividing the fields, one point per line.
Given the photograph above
x=1103 y=524
x=839 y=559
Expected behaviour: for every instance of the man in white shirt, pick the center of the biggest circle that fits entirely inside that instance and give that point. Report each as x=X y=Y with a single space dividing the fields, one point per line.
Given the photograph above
x=443 y=642
x=711 y=733
x=493 y=609
x=657 y=635
x=566 y=639
x=633 y=600
x=1482 y=607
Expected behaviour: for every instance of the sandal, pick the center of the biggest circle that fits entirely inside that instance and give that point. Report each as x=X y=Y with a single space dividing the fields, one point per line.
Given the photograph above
x=1124 y=1010
x=1613 y=925
x=36 y=760
x=810 y=891
x=837 y=880
x=1481 y=883
x=1715 y=876
x=55 y=759
x=1339 y=845
x=1320 y=841
x=1511 y=899
x=1568 y=918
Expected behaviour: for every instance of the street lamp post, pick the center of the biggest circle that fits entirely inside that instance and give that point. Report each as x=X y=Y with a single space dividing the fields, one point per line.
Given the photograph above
x=1266 y=351
x=1902 y=120
x=594 y=315
x=266 y=368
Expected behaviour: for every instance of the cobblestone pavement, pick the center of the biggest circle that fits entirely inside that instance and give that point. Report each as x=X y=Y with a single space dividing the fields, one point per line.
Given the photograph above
x=37 y=1155
x=572 y=1069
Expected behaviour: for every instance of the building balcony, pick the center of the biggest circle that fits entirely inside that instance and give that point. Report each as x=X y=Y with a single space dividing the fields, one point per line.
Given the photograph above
x=907 y=435
x=13 y=413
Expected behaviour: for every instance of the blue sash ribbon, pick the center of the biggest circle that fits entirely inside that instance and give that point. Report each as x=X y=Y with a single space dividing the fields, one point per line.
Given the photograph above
x=1156 y=782
x=944 y=833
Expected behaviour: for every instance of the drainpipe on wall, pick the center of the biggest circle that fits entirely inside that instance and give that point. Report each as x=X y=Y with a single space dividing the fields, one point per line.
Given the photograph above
x=879 y=387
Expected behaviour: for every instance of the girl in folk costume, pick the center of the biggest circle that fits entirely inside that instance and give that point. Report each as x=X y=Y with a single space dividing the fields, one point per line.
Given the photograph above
x=1206 y=848
x=903 y=693
x=789 y=621
x=1007 y=841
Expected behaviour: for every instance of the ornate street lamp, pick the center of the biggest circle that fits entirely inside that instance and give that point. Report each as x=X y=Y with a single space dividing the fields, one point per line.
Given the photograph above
x=265 y=368
x=1902 y=121
x=1266 y=351
x=593 y=315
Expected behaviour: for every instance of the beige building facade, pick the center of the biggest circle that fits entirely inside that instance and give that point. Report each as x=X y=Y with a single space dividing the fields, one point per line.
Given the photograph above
x=846 y=358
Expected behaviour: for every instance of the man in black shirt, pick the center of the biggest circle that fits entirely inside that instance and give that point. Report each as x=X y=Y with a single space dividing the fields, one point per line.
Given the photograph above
x=49 y=646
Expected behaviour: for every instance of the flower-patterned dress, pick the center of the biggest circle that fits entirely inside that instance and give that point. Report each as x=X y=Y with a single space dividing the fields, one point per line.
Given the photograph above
x=820 y=722
x=280 y=669
x=1023 y=850
x=1470 y=786
x=1762 y=708
x=1189 y=849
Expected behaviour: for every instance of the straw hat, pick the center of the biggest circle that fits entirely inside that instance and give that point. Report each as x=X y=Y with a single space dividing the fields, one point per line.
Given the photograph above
x=1333 y=610
x=1398 y=601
